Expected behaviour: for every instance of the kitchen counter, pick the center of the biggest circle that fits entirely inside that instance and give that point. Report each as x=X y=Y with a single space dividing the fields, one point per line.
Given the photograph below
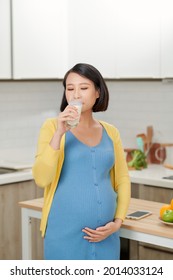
x=153 y=176
x=21 y=161
x=149 y=229
x=149 y=176
x=16 y=176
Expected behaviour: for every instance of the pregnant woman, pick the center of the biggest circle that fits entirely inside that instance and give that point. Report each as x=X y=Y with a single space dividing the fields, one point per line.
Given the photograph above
x=84 y=174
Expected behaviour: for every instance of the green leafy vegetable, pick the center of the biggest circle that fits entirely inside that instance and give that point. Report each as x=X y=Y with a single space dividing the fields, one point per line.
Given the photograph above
x=139 y=160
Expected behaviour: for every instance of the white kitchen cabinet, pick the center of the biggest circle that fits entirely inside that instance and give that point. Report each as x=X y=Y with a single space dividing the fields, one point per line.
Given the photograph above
x=138 y=39
x=120 y=37
x=39 y=38
x=167 y=39
x=5 y=40
x=92 y=34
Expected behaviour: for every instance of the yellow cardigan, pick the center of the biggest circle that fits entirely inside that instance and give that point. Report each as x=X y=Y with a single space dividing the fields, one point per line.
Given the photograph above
x=48 y=163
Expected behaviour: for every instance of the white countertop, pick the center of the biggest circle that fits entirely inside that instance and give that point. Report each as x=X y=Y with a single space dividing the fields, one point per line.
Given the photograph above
x=17 y=176
x=152 y=175
x=21 y=160
x=149 y=176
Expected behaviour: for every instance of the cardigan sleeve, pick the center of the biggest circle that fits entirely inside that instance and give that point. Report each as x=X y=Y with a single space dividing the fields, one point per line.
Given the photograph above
x=46 y=159
x=121 y=178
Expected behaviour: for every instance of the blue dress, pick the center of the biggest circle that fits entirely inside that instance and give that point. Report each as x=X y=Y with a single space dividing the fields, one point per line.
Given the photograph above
x=84 y=198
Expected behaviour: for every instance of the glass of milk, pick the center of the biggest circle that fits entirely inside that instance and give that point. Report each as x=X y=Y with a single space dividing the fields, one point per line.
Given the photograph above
x=78 y=104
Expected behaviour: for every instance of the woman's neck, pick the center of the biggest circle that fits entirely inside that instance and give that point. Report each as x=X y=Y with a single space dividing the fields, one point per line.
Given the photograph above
x=86 y=121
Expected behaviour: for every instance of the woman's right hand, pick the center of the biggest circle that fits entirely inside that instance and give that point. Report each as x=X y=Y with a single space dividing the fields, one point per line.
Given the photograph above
x=69 y=114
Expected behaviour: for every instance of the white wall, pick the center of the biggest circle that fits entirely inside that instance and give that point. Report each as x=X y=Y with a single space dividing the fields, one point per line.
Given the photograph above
x=133 y=105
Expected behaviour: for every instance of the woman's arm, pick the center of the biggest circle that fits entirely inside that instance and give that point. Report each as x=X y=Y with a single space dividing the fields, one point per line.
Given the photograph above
x=46 y=159
x=122 y=179
x=48 y=151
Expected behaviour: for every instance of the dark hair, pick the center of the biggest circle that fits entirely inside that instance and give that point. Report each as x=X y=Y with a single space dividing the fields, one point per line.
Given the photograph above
x=90 y=72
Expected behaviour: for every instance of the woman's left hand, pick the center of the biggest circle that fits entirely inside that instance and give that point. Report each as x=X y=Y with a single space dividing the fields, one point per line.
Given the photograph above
x=101 y=233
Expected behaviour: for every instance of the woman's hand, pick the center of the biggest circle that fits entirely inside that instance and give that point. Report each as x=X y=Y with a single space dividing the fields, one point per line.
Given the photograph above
x=69 y=114
x=101 y=233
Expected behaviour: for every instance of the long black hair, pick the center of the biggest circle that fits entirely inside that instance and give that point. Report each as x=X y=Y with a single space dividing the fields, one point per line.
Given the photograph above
x=90 y=72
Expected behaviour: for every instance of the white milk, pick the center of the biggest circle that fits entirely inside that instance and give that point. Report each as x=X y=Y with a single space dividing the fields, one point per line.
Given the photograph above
x=78 y=105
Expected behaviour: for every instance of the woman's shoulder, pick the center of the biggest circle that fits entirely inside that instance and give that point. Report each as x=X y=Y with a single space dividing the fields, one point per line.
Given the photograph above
x=109 y=127
x=112 y=131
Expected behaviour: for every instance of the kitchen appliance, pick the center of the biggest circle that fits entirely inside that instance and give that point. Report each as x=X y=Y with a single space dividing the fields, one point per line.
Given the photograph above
x=168 y=177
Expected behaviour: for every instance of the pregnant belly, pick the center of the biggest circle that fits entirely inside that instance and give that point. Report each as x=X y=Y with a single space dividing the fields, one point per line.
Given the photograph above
x=90 y=206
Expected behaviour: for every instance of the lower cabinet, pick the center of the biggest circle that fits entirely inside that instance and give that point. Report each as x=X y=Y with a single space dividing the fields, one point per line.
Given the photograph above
x=10 y=220
x=152 y=193
x=151 y=252
x=144 y=251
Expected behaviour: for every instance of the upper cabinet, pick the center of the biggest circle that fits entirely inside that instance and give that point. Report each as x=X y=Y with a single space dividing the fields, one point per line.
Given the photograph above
x=5 y=40
x=137 y=38
x=39 y=38
x=167 y=39
x=122 y=38
x=92 y=34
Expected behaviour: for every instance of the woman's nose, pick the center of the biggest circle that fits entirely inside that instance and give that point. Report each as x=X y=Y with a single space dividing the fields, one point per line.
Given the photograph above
x=76 y=94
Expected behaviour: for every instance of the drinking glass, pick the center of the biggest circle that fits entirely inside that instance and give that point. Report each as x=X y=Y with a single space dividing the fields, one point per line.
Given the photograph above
x=78 y=104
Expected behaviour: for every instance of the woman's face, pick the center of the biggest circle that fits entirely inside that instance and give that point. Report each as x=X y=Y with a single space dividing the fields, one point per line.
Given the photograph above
x=78 y=87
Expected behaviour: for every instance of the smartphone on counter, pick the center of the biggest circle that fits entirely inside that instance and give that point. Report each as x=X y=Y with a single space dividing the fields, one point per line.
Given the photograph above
x=138 y=214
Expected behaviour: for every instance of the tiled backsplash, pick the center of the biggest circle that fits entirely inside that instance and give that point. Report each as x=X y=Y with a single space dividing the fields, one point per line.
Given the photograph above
x=133 y=105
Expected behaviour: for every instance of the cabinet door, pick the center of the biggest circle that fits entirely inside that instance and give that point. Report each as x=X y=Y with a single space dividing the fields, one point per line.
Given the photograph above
x=5 y=40
x=167 y=39
x=10 y=220
x=120 y=37
x=138 y=39
x=92 y=34
x=39 y=38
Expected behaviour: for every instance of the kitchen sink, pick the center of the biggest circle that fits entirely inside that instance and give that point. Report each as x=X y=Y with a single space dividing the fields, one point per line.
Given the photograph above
x=6 y=170
x=168 y=177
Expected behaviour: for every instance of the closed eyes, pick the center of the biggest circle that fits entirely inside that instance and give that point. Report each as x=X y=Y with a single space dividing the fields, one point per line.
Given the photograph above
x=70 y=89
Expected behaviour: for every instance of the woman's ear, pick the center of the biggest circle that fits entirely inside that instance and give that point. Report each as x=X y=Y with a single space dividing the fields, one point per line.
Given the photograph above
x=97 y=93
